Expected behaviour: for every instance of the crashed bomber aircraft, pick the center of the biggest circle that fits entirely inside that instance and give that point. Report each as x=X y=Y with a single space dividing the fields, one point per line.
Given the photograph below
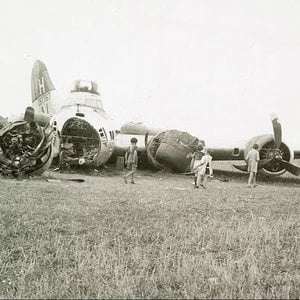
x=80 y=133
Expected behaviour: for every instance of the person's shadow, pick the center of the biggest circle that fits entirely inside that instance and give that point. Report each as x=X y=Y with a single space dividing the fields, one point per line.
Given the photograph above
x=226 y=176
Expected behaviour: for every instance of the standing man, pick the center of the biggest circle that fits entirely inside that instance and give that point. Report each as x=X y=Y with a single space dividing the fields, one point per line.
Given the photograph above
x=195 y=162
x=131 y=160
x=204 y=169
x=252 y=159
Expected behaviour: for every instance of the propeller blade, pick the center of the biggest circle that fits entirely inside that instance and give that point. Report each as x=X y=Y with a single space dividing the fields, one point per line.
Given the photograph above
x=263 y=163
x=242 y=168
x=277 y=131
x=290 y=167
x=29 y=114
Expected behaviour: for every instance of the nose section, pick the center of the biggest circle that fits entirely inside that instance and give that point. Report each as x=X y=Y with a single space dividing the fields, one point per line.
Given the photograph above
x=80 y=142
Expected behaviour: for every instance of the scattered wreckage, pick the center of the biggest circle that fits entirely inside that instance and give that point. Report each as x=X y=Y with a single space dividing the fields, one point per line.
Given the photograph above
x=26 y=145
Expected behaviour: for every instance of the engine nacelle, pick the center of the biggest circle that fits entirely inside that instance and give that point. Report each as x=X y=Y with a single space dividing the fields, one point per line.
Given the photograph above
x=169 y=149
x=267 y=150
x=139 y=128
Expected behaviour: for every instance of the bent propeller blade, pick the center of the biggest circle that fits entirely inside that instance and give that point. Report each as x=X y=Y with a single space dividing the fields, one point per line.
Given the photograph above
x=295 y=170
x=277 y=130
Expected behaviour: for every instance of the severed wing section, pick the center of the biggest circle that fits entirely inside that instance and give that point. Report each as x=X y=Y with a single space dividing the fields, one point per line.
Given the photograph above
x=137 y=130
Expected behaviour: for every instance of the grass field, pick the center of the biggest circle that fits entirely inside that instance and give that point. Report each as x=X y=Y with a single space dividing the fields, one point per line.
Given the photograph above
x=160 y=238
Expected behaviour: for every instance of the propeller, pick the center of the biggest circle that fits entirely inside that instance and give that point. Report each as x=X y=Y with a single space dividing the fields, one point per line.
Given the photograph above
x=261 y=164
x=264 y=162
x=277 y=131
x=290 y=167
x=274 y=155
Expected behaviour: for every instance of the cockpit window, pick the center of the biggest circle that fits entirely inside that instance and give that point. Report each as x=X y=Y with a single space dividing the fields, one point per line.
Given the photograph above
x=94 y=103
x=73 y=101
x=83 y=84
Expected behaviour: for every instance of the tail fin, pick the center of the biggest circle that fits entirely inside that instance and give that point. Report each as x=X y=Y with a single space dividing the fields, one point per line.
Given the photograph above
x=41 y=87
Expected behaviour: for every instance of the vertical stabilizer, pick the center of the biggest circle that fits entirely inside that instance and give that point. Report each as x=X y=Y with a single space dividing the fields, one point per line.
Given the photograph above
x=41 y=89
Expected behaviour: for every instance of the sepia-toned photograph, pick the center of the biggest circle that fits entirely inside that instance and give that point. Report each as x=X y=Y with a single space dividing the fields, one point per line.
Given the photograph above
x=150 y=149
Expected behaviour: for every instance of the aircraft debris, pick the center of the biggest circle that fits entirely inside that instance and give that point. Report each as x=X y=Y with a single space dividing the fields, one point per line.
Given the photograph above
x=25 y=146
x=59 y=180
x=54 y=180
x=176 y=188
x=76 y=179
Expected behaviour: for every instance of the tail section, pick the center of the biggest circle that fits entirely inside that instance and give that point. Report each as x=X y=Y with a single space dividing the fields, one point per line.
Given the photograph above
x=41 y=89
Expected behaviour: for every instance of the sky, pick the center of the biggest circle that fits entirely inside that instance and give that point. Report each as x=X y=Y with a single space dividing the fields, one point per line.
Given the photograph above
x=214 y=68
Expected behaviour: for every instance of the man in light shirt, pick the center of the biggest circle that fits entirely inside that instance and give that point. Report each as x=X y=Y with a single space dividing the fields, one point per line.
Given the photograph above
x=252 y=159
x=204 y=168
x=195 y=162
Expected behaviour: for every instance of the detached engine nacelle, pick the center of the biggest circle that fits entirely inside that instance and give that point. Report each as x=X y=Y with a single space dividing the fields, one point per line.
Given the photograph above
x=169 y=149
x=26 y=145
x=267 y=150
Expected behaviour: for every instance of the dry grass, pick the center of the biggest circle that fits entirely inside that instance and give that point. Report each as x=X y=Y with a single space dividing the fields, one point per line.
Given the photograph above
x=159 y=238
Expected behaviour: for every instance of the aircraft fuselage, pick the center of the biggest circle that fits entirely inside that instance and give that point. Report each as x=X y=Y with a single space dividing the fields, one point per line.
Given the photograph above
x=84 y=132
